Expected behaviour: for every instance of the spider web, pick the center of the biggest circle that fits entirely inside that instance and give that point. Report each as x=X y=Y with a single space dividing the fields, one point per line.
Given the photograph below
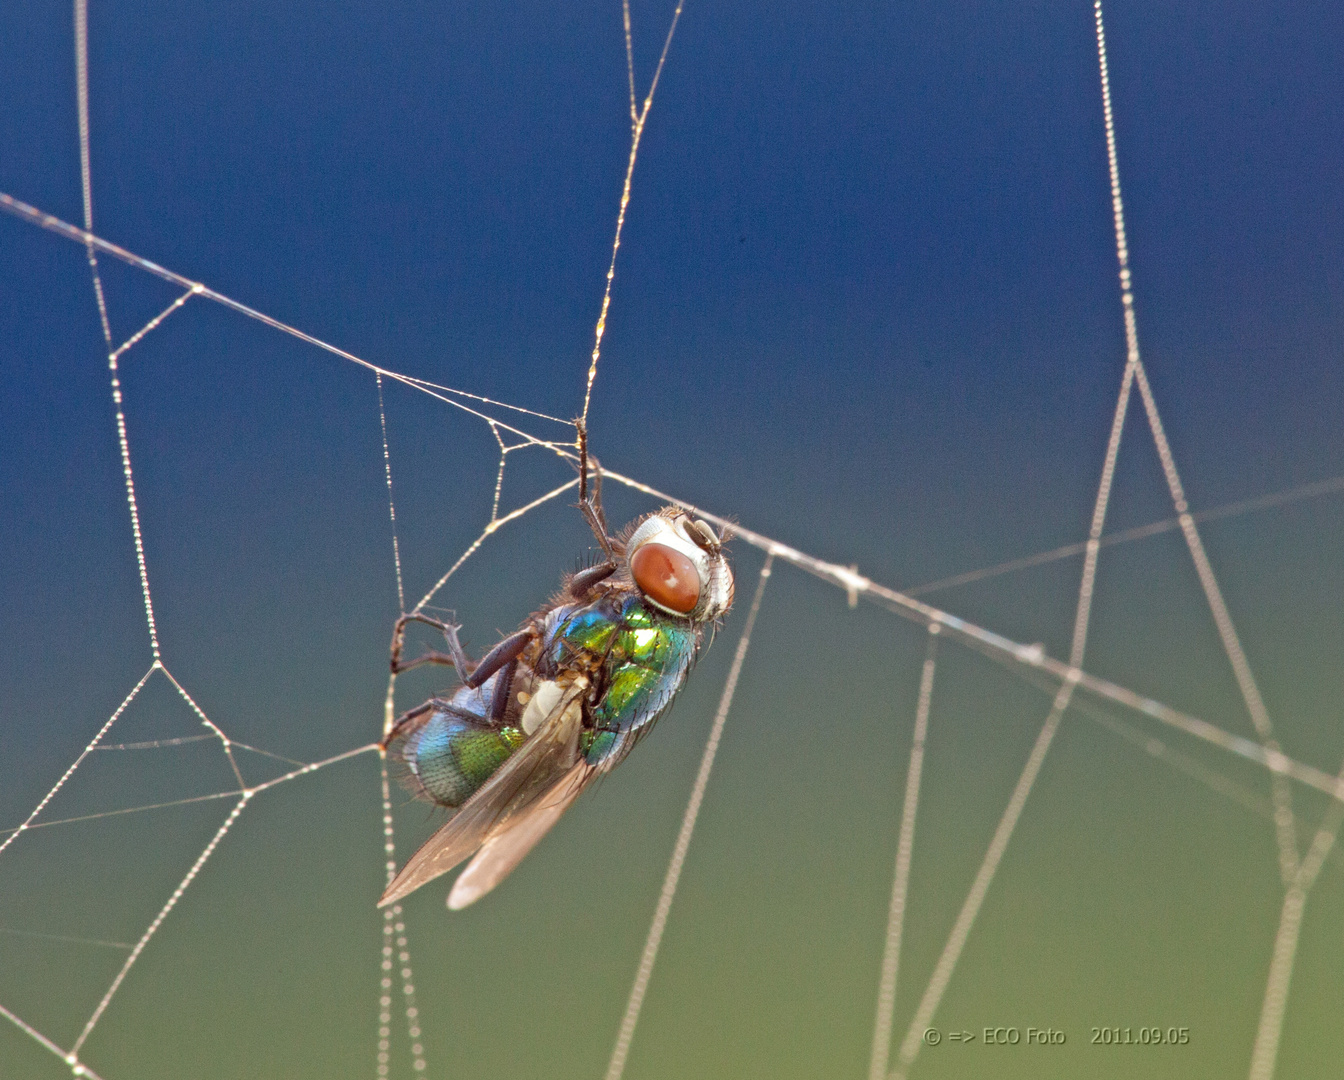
x=246 y=772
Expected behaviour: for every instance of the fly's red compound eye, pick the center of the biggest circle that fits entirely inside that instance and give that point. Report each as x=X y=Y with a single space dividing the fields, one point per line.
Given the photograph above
x=666 y=576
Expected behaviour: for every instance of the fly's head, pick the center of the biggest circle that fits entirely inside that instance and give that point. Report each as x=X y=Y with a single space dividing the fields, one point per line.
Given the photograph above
x=678 y=565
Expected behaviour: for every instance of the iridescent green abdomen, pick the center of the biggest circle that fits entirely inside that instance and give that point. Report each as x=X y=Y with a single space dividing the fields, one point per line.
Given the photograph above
x=449 y=751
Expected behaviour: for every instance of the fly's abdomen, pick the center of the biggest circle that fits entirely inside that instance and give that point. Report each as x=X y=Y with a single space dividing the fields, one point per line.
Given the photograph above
x=446 y=753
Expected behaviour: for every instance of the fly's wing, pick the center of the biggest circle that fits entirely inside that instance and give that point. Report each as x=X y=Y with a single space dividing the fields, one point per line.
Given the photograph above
x=512 y=839
x=546 y=760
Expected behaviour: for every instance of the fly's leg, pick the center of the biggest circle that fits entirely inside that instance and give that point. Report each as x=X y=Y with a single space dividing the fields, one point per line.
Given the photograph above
x=472 y=674
x=499 y=704
x=584 y=580
x=506 y=652
x=410 y=714
x=590 y=500
x=590 y=489
x=456 y=655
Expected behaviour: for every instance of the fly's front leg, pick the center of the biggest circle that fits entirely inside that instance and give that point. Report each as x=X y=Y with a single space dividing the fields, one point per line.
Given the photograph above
x=455 y=656
x=590 y=498
x=584 y=580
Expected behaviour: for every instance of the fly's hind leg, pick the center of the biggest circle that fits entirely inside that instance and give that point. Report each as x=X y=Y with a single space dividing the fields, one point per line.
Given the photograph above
x=405 y=718
x=471 y=673
x=455 y=656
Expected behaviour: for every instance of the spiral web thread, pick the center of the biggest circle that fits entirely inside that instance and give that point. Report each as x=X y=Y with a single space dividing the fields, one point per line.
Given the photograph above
x=1299 y=871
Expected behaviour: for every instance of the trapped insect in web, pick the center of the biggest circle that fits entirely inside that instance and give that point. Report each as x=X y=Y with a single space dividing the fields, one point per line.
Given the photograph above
x=560 y=701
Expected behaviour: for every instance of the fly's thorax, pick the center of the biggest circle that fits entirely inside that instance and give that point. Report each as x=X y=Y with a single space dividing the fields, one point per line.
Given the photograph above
x=648 y=637
x=577 y=637
x=650 y=657
x=629 y=656
x=588 y=627
x=620 y=627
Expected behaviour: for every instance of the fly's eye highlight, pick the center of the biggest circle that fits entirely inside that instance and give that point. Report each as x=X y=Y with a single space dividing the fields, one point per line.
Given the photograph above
x=667 y=577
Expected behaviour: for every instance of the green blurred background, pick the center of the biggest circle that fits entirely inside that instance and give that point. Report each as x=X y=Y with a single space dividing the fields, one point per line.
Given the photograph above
x=866 y=305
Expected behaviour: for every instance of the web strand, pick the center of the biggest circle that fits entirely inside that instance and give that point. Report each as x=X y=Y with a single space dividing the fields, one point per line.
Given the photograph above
x=127 y=810
x=499 y=475
x=1265 y=1050
x=947 y=962
x=303 y=770
x=113 y=354
x=900 y=882
x=629 y=59
x=153 y=324
x=1274 y=1006
x=70 y=1057
x=1183 y=763
x=1281 y=793
x=244 y=799
x=93 y=745
x=621 y=1051
x=394 y=933
x=85 y=166
x=159 y=744
x=493 y=526
x=164 y=912
x=66 y=938
x=1017 y=657
x=214 y=729
x=1330 y=486
x=636 y=133
x=426 y=384
x=54 y=224
x=391 y=502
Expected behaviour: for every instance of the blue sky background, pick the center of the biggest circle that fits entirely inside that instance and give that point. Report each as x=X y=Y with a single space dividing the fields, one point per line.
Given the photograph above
x=866 y=303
